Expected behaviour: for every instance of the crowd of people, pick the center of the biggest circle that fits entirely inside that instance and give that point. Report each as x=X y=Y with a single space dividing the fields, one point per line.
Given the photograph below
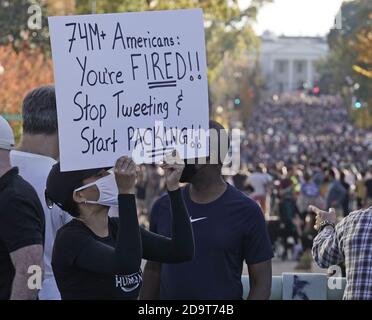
x=300 y=131
x=304 y=151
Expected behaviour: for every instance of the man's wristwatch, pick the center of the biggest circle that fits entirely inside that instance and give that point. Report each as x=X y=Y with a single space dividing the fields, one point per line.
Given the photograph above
x=324 y=224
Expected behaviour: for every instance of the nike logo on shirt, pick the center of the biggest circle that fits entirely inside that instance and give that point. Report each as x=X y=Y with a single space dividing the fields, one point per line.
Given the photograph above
x=197 y=219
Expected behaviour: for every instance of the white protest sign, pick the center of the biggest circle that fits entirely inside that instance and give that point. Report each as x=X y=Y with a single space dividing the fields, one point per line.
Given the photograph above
x=130 y=84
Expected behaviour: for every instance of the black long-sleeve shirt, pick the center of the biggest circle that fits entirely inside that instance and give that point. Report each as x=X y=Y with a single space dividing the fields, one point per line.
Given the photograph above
x=90 y=267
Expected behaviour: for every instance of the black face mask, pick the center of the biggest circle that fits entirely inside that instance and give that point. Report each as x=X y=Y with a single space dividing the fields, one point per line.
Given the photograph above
x=188 y=173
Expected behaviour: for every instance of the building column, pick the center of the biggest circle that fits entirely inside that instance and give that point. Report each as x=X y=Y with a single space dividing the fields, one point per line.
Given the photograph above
x=272 y=79
x=309 y=75
x=290 y=75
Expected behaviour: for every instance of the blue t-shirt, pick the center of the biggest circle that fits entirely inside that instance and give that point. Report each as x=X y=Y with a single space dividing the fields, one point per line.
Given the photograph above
x=310 y=189
x=227 y=231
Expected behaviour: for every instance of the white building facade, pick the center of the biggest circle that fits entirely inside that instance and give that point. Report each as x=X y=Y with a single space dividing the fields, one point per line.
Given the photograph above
x=288 y=63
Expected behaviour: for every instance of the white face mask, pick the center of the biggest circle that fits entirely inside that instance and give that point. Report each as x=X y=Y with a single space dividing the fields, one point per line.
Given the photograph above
x=108 y=191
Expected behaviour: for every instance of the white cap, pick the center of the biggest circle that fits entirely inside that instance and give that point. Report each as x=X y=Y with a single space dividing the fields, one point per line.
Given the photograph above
x=6 y=135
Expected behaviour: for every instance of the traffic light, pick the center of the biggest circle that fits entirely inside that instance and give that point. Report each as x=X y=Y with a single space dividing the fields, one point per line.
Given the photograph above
x=316 y=90
x=237 y=101
x=357 y=104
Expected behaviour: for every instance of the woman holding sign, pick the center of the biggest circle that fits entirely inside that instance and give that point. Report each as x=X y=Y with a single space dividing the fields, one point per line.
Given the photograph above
x=98 y=257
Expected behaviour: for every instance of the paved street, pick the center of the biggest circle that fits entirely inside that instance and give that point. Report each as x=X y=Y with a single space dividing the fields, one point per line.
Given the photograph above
x=289 y=266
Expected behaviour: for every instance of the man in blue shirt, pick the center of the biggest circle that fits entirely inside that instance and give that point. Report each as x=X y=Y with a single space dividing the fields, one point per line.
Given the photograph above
x=229 y=228
x=336 y=192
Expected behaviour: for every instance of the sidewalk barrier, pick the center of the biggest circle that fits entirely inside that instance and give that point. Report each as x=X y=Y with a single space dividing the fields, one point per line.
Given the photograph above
x=302 y=286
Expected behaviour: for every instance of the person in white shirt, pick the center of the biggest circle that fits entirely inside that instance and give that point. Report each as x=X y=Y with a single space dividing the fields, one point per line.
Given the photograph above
x=35 y=156
x=259 y=181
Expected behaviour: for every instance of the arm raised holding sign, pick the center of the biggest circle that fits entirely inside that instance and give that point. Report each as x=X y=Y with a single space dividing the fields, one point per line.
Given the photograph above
x=180 y=247
x=97 y=257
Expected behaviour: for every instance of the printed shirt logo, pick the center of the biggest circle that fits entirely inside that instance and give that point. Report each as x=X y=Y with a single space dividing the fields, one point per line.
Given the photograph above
x=197 y=219
x=128 y=283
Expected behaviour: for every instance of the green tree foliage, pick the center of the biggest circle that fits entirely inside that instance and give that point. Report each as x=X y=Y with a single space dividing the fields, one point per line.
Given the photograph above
x=350 y=51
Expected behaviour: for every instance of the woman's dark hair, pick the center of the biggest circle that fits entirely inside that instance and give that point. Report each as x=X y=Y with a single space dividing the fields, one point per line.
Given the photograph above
x=72 y=205
x=61 y=185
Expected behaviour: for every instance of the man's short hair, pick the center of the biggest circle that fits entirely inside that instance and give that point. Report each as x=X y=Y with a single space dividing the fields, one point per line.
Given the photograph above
x=219 y=142
x=39 y=111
